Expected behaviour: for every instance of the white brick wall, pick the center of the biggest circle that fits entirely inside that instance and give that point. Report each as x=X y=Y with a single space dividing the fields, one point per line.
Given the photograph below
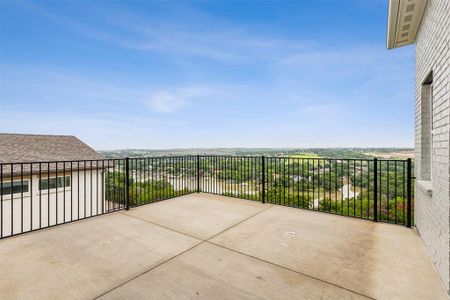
x=432 y=213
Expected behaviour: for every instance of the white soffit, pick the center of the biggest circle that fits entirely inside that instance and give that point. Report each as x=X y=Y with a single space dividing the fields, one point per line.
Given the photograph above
x=404 y=18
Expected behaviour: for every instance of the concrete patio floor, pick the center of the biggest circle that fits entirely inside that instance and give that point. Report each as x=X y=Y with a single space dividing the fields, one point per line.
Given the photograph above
x=212 y=247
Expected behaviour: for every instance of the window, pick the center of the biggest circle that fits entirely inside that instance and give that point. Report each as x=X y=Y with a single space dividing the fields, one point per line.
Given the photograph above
x=15 y=188
x=426 y=129
x=52 y=183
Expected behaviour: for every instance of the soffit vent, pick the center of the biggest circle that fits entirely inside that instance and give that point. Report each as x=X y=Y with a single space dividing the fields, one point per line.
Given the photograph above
x=404 y=18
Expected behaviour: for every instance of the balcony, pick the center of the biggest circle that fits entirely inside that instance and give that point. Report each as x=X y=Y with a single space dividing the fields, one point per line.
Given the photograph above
x=211 y=246
x=36 y=195
x=212 y=227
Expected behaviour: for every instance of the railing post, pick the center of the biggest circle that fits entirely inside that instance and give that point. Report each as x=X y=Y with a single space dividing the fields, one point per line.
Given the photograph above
x=198 y=173
x=375 y=189
x=127 y=183
x=408 y=192
x=263 y=179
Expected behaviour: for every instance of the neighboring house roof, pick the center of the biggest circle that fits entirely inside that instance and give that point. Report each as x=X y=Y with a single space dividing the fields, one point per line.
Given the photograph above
x=34 y=147
x=44 y=151
x=404 y=17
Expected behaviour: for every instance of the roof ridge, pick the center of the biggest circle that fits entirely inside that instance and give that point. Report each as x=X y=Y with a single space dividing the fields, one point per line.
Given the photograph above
x=37 y=134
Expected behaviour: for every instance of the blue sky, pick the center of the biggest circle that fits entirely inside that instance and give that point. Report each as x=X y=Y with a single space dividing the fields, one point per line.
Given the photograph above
x=172 y=74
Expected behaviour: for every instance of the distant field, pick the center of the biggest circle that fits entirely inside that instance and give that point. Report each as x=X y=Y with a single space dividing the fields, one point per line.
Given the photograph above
x=392 y=155
x=305 y=155
x=293 y=153
x=295 y=158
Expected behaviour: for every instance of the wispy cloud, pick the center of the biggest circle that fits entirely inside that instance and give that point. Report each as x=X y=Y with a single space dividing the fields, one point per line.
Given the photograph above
x=29 y=83
x=53 y=87
x=101 y=130
x=164 y=76
x=220 y=40
x=164 y=101
x=172 y=100
x=350 y=61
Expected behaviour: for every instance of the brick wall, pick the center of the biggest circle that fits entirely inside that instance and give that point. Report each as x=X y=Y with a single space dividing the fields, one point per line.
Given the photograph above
x=432 y=213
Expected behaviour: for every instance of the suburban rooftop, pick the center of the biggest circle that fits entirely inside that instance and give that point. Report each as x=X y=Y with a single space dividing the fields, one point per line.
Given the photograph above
x=36 y=147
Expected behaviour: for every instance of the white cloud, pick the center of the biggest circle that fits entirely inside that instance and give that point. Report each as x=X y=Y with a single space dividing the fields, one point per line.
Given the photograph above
x=357 y=61
x=164 y=101
x=97 y=129
x=220 y=40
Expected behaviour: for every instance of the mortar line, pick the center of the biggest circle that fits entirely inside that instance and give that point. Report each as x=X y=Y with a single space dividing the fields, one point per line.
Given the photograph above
x=202 y=241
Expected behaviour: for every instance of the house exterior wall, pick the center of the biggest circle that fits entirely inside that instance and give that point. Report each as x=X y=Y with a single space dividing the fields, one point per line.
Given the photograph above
x=432 y=189
x=38 y=209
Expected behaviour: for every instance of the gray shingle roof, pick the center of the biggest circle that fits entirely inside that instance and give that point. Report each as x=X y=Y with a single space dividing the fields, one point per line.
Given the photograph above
x=70 y=152
x=34 y=147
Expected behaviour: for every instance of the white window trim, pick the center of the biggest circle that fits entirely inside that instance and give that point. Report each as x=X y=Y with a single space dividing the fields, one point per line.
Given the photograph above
x=432 y=130
x=55 y=188
x=16 y=195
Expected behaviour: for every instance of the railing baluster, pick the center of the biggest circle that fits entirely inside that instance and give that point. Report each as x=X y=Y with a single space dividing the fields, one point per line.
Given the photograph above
x=263 y=179
x=12 y=199
x=409 y=192
x=127 y=183
x=31 y=196
x=21 y=197
x=1 y=201
x=375 y=189
x=198 y=173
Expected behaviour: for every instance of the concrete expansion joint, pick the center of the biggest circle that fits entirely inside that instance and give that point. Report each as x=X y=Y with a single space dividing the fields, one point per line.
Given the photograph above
x=289 y=269
x=196 y=237
x=208 y=240
x=201 y=241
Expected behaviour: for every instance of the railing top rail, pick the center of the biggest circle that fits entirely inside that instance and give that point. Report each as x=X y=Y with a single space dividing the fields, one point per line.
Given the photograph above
x=89 y=160
x=301 y=158
x=195 y=156
x=163 y=156
x=59 y=161
x=335 y=158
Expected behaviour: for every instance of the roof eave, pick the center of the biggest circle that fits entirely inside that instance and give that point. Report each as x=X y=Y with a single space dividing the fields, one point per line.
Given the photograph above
x=404 y=18
x=392 y=23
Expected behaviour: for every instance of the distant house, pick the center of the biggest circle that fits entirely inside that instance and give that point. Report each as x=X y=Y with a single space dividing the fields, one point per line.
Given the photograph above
x=427 y=25
x=296 y=178
x=49 y=178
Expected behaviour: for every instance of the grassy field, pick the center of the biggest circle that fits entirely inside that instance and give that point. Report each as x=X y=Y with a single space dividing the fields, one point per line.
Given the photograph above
x=392 y=155
x=296 y=158
x=305 y=155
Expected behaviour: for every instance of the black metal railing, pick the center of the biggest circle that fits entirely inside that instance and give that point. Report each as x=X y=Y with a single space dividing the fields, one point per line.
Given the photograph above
x=379 y=190
x=235 y=176
x=368 y=189
x=154 y=179
x=36 y=195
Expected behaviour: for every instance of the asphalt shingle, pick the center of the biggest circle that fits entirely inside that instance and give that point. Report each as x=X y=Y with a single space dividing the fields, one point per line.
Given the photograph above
x=39 y=153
